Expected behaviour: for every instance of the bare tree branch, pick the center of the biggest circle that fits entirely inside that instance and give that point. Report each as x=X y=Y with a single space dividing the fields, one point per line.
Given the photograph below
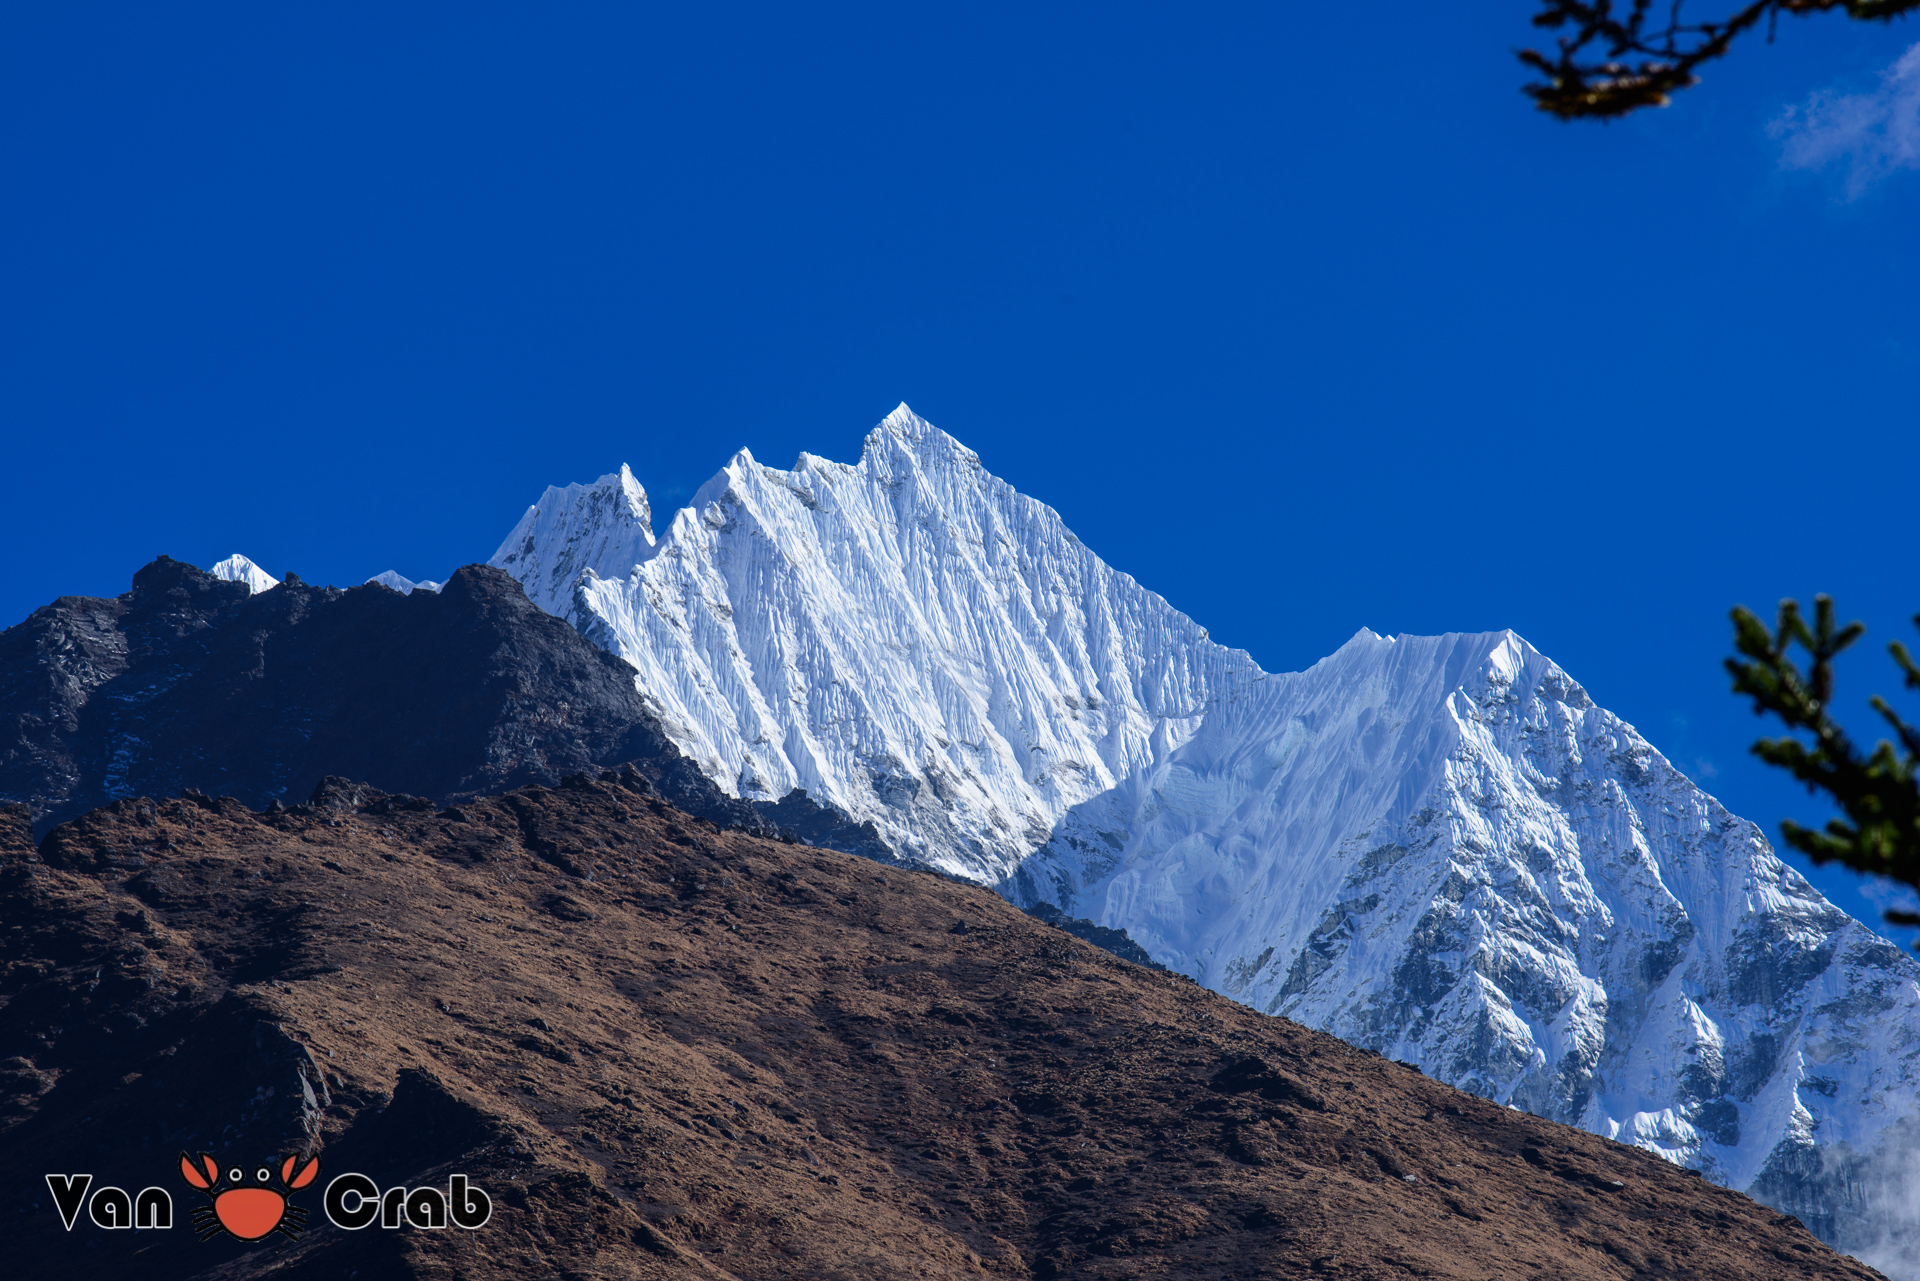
x=1617 y=59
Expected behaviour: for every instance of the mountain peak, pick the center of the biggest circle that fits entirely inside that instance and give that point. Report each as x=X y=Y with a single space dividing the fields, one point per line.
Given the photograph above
x=238 y=569
x=818 y=596
x=910 y=434
x=606 y=526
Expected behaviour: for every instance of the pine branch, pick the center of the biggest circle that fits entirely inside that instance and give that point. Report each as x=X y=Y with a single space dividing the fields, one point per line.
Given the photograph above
x=1879 y=793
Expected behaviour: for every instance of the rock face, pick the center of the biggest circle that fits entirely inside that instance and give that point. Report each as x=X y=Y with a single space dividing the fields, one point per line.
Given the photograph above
x=1438 y=848
x=666 y=1051
x=195 y=682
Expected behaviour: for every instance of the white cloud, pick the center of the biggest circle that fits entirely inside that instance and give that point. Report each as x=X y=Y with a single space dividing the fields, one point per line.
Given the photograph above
x=1884 y=894
x=1882 y=1200
x=1871 y=134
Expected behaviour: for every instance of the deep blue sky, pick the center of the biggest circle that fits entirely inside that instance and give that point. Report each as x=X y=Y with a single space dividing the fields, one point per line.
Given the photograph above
x=1300 y=314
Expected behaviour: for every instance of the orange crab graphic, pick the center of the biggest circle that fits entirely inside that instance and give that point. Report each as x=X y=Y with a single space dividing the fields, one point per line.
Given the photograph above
x=248 y=1210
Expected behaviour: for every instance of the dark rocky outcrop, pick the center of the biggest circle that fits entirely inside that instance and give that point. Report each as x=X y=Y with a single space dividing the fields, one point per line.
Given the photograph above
x=188 y=682
x=826 y=826
x=1118 y=942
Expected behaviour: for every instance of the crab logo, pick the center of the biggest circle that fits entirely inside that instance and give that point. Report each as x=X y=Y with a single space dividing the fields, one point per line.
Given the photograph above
x=249 y=1209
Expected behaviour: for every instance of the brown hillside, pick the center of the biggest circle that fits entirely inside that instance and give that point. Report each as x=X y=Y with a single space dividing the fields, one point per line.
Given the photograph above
x=672 y=1051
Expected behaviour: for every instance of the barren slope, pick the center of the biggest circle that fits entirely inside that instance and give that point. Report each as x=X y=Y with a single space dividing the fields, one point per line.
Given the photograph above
x=672 y=1051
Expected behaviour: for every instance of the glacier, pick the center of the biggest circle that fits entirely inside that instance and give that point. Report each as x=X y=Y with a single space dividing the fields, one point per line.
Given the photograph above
x=1438 y=848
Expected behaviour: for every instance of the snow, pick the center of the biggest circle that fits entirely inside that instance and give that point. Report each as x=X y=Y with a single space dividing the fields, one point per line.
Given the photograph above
x=238 y=569
x=1469 y=866
x=606 y=527
x=1436 y=847
x=405 y=586
x=907 y=638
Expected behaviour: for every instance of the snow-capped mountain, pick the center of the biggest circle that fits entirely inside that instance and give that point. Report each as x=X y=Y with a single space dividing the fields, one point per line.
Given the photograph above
x=1442 y=849
x=1438 y=848
x=238 y=569
x=404 y=585
x=907 y=638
